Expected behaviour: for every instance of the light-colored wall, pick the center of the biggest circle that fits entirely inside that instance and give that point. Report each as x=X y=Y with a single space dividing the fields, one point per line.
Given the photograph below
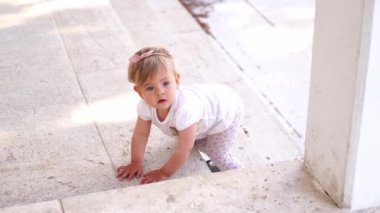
x=335 y=61
x=366 y=190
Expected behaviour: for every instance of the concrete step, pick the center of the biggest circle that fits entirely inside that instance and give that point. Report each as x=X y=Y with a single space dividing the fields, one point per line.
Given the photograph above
x=279 y=187
x=66 y=123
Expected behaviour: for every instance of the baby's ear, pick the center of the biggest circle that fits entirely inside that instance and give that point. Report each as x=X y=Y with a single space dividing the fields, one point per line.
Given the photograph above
x=138 y=90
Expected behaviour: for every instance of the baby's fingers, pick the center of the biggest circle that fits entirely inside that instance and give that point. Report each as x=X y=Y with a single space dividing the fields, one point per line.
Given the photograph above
x=132 y=174
x=124 y=174
x=121 y=169
x=139 y=173
x=146 y=179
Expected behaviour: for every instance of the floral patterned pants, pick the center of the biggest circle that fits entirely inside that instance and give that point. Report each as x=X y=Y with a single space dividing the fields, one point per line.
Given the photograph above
x=217 y=146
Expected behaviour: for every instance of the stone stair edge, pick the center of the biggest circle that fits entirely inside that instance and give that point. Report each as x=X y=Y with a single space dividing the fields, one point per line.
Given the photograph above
x=282 y=186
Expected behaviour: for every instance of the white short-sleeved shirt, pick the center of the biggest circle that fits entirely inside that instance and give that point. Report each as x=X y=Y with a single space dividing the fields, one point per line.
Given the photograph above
x=212 y=106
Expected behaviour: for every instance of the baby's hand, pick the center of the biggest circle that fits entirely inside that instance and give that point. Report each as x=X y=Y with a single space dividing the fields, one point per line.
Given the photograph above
x=154 y=176
x=134 y=169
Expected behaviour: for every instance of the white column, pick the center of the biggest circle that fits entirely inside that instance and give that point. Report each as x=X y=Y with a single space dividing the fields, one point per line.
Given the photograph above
x=342 y=149
x=366 y=187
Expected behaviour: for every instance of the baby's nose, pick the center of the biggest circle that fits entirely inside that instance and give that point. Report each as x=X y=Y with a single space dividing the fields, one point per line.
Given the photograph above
x=160 y=91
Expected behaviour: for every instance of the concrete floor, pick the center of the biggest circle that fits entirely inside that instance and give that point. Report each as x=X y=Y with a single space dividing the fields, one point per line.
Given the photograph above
x=67 y=111
x=270 y=42
x=284 y=187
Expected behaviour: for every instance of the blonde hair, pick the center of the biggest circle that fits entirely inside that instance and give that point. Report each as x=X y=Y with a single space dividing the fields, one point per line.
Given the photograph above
x=150 y=61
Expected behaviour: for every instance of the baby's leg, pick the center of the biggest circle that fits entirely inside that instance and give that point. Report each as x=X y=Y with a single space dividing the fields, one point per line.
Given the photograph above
x=217 y=147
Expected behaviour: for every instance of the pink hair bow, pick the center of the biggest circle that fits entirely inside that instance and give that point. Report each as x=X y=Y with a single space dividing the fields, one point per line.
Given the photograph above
x=136 y=58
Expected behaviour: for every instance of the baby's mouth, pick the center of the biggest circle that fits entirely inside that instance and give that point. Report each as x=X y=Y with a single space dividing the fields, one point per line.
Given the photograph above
x=161 y=101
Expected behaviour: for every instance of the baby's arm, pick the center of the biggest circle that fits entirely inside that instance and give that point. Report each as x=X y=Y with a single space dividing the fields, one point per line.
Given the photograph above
x=138 y=144
x=186 y=143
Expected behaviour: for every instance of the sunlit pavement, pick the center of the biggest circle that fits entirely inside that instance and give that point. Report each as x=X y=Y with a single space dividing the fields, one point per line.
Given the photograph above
x=270 y=41
x=67 y=112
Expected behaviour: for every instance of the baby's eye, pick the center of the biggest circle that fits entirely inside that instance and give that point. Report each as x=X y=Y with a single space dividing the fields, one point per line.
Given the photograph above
x=166 y=83
x=150 y=88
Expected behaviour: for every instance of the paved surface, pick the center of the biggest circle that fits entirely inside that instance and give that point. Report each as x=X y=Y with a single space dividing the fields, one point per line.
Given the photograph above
x=283 y=187
x=270 y=41
x=67 y=111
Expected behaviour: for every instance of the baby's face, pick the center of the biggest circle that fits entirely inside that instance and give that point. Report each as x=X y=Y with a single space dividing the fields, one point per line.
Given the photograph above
x=159 y=91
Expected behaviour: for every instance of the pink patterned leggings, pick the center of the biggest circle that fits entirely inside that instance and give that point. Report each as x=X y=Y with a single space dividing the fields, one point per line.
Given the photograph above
x=217 y=146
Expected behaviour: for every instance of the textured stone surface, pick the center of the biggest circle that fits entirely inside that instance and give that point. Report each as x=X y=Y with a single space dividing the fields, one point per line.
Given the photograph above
x=281 y=187
x=42 y=207
x=67 y=112
x=94 y=39
x=45 y=156
x=271 y=42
